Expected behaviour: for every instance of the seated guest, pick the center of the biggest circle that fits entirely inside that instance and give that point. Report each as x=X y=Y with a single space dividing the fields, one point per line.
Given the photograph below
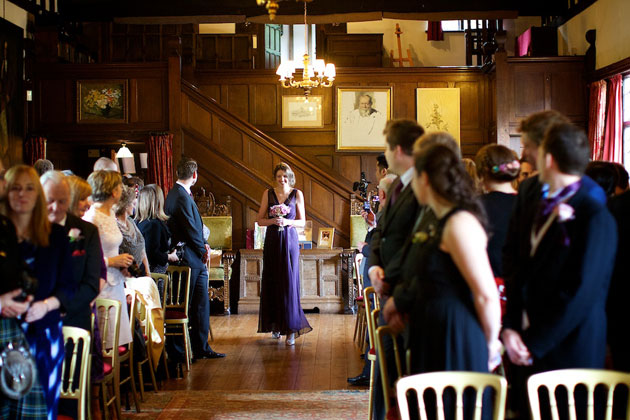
x=10 y=309
x=106 y=191
x=42 y=166
x=105 y=164
x=80 y=192
x=556 y=300
x=85 y=245
x=497 y=167
x=45 y=249
x=152 y=223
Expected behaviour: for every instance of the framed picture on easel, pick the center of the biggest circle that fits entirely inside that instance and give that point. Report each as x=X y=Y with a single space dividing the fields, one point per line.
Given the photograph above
x=326 y=238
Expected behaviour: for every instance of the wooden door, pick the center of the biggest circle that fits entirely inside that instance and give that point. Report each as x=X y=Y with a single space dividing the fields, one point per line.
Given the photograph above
x=273 y=33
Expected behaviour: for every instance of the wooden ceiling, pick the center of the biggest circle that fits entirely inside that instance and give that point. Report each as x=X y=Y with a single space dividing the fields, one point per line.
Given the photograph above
x=321 y=11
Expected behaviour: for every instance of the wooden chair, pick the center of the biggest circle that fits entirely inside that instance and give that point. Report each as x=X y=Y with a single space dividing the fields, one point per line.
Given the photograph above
x=381 y=332
x=176 y=297
x=143 y=316
x=570 y=379
x=372 y=308
x=125 y=354
x=81 y=361
x=458 y=381
x=106 y=309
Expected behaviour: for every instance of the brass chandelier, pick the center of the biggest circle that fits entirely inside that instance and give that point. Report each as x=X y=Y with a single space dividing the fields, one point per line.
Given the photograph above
x=273 y=6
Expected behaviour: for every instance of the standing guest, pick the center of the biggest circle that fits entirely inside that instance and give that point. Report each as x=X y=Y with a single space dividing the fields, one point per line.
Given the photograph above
x=527 y=170
x=605 y=174
x=42 y=166
x=186 y=226
x=471 y=170
x=556 y=301
x=85 y=246
x=133 y=241
x=152 y=223
x=457 y=305
x=105 y=164
x=622 y=179
x=80 y=192
x=10 y=308
x=497 y=168
x=106 y=191
x=280 y=309
x=393 y=228
x=45 y=249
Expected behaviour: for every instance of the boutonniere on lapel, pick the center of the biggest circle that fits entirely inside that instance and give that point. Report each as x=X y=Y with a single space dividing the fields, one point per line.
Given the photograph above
x=564 y=213
x=423 y=236
x=74 y=235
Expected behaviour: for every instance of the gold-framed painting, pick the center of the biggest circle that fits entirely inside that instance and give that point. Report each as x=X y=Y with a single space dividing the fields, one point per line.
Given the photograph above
x=326 y=238
x=102 y=101
x=302 y=111
x=362 y=113
x=438 y=109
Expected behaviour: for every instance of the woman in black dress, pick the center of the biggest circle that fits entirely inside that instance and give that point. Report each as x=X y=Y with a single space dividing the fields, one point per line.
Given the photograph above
x=280 y=309
x=455 y=322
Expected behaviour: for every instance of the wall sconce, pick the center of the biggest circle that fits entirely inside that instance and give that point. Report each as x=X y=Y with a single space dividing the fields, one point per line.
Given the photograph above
x=124 y=152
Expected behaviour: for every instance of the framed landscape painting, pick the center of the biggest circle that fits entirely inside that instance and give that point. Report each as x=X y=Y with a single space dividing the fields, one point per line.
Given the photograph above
x=361 y=116
x=301 y=111
x=102 y=101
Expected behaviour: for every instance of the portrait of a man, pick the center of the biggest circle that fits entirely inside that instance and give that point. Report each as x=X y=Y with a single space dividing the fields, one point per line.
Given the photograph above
x=362 y=115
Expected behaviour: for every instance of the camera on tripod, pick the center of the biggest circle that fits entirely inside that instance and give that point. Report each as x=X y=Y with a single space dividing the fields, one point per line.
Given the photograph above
x=362 y=187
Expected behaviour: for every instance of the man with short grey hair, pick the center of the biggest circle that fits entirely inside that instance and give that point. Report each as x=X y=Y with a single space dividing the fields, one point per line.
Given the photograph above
x=105 y=164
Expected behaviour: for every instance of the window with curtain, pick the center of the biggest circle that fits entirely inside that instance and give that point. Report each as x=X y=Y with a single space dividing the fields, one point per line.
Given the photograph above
x=626 y=122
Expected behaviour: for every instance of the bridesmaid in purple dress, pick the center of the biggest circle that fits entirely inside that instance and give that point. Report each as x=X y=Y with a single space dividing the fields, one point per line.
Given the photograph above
x=282 y=210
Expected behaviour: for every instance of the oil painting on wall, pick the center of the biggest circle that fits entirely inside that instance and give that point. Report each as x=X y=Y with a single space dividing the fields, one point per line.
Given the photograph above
x=437 y=109
x=102 y=101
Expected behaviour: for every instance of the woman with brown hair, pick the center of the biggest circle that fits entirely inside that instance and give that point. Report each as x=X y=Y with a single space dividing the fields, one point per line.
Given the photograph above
x=44 y=247
x=80 y=192
x=282 y=210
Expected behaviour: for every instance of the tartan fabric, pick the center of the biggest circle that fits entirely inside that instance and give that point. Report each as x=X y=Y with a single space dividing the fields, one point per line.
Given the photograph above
x=32 y=405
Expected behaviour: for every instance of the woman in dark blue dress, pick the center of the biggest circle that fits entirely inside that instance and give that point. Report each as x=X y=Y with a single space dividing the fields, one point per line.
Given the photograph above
x=45 y=249
x=280 y=309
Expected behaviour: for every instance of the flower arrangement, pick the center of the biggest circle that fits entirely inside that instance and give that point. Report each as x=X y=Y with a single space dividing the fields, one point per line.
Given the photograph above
x=102 y=99
x=279 y=210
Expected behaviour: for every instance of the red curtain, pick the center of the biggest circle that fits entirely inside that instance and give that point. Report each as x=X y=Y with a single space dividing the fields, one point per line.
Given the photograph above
x=34 y=148
x=434 y=31
x=613 y=131
x=160 y=160
x=597 y=118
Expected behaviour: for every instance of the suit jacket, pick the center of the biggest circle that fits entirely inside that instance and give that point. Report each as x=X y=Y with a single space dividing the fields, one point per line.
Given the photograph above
x=563 y=286
x=87 y=256
x=186 y=225
x=391 y=232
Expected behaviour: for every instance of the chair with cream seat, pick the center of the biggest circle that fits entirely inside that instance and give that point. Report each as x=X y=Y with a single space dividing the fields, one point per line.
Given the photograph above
x=77 y=366
x=372 y=309
x=143 y=316
x=176 y=298
x=125 y=355
x=457 y=381
x=108 y=314
x=360 y=326
x=570 y=379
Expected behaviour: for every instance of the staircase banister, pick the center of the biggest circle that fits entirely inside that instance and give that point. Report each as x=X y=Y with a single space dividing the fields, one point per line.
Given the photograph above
x=345 y=187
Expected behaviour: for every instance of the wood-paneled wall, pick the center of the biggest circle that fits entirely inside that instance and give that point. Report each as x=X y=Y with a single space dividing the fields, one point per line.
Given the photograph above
x=256 y=97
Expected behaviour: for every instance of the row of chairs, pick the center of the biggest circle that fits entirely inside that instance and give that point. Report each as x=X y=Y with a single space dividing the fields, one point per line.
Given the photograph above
x=174 y=292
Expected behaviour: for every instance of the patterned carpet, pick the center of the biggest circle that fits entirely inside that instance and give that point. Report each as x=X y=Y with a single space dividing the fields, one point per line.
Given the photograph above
x=245 y=405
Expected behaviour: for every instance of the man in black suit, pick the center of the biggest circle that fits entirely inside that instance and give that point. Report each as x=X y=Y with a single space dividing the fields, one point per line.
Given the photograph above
x=85 y=245
x=393 y=228
x=186 y=226
x=556 y=315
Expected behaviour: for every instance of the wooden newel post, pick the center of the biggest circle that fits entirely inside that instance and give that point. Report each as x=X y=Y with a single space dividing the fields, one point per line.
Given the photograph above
x=502 y=91
x=175 y=96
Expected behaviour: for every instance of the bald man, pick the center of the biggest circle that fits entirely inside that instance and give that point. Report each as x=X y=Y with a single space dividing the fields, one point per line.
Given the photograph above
x=105 y=164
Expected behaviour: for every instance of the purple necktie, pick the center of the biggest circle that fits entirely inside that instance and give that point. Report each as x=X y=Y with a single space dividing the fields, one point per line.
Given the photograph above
x=396 y=193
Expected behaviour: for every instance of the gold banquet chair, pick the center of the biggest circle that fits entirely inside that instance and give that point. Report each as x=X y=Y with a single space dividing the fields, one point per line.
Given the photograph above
x=143 y=315
x=360 y=326
x=381 y=332
x=570 y=379
x=176 y=298
x=125 y=355
x=372 y=309
x=161 y=282
x=81 y=361
x=106 y=309
x=459 y=382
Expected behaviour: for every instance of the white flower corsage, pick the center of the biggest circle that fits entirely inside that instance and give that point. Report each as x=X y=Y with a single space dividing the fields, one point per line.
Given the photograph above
x=565 y=212
x=74 y=234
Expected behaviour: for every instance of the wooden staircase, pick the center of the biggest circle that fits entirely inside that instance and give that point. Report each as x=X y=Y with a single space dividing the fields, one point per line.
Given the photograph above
x=237 y=159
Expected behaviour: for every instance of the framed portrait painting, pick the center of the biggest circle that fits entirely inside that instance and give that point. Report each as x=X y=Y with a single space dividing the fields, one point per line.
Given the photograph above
x=361 y=117
x=326 y=238
x=102 y=101
x=301 y=111
x=437 y=109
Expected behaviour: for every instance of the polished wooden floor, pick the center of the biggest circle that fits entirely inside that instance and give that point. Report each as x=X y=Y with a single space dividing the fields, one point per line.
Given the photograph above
x=320 y=360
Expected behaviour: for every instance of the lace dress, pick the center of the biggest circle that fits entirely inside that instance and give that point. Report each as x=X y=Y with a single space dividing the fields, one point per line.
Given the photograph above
x=111 y=239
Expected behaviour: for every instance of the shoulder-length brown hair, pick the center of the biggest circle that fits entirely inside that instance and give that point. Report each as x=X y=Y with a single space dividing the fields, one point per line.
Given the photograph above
x=39 y=225
x=287 y=170
x=151 y=203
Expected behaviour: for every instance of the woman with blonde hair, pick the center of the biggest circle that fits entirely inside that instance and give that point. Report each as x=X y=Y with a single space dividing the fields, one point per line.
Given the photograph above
x=106 y=192
x=152 y=223
x=45 y=249
x=80 y=192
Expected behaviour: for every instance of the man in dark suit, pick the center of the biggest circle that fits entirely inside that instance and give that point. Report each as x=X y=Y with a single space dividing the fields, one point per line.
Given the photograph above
x=186 y=226
x=393 y=228
x=85 y=246
x=555 y=316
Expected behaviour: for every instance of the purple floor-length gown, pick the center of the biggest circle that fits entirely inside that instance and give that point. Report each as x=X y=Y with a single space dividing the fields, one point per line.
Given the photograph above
x=280 y=308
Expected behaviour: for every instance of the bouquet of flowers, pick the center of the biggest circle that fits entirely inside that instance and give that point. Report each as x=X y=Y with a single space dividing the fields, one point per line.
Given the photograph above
x=279 y=210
